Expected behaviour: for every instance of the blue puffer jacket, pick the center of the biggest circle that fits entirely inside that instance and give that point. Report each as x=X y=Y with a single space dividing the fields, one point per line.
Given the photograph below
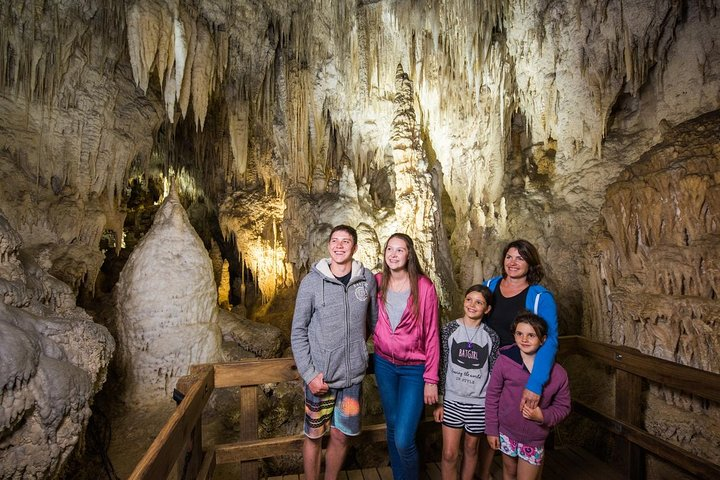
x=541 y=302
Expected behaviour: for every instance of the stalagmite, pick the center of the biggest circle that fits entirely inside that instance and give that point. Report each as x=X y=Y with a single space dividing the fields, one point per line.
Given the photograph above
x=415 y=203
x=166 y=307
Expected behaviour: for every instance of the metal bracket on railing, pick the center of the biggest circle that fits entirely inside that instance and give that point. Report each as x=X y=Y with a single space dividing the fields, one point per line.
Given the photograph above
x=178 y=396
x=618 y=356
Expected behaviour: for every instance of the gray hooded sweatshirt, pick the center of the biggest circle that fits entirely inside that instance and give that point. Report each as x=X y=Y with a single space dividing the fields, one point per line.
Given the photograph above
x=329 y=327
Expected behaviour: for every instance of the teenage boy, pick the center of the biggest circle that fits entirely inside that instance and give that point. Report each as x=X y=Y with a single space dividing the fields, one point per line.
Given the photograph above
x=336 y=305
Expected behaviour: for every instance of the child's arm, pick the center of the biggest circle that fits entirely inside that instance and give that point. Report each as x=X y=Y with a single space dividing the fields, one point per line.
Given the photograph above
x=430 y=325
x=444 y=335
x=559 y=409
x=438 y=413
x=492 y=400
x=535 y=414
x=495 y=349
x=545 y=357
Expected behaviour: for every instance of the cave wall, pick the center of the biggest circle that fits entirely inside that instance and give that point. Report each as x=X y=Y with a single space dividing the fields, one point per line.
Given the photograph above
x=653 y=273
x=465 y=123
x=53 y=360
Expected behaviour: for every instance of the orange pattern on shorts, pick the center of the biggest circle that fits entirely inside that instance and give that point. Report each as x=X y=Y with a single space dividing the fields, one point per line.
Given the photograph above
x=350 y=406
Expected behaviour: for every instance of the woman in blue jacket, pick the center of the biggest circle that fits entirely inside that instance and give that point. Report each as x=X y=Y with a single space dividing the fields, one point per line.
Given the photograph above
x=518 y=289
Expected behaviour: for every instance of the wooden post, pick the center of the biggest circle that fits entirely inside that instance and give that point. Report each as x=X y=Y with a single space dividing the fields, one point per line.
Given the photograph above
x=248 y=428
x=628 y=408
x=195 y=452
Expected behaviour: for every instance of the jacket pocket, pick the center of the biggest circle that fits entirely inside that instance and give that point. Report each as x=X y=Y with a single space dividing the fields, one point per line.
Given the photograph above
x=335 y=369
x=358 y=358
x=341 y=365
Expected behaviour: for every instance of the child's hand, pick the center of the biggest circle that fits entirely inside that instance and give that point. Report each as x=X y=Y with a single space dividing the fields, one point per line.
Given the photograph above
x=494 y=442
x=438 y=413
x=533 y=414
x=431 y=394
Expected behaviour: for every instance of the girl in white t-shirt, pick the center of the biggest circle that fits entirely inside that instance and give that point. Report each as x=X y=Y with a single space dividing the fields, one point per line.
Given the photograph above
x=469 y=349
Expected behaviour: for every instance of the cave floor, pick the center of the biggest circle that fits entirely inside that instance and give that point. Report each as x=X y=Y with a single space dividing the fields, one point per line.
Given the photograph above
x=132 y=433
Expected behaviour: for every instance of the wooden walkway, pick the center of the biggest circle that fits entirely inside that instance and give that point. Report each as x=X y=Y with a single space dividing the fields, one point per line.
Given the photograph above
x=567 y=463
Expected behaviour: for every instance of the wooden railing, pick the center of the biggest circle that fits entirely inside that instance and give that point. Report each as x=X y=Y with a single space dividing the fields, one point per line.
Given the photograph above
x=177 y=450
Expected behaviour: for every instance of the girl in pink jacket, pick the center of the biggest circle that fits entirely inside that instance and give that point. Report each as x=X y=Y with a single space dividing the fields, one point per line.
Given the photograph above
x=407 y=350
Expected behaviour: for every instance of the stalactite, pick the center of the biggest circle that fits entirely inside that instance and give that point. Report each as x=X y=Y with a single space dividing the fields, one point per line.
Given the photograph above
x=185 y=81
x=238 y=126
x=203 y=74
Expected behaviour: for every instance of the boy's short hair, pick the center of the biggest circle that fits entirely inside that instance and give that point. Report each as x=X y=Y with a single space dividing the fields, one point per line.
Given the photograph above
x=344 y=228
x=535 y=321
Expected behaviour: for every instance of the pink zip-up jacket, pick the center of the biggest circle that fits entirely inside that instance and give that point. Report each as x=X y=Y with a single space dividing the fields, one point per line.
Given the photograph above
x=415 y=341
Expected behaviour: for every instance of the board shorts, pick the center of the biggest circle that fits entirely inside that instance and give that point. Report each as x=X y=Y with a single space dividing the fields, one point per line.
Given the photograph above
x=339 y=408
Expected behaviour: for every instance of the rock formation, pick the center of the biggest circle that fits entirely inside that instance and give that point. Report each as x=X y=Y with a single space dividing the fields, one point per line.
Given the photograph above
x=166 y=304
x=655 y=272
x=53 y=360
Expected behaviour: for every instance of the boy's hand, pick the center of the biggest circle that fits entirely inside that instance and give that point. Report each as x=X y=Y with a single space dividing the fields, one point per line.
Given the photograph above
x=438 y=413
x=431 y=394
x=533 y=414
x=318 y=386
x=494 y=442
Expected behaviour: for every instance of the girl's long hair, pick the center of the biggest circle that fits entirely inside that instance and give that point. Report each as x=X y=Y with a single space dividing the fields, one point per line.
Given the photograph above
x=413 y=268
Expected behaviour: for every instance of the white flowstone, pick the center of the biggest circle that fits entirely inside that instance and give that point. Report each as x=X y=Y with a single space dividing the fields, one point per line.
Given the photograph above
x=166 y=307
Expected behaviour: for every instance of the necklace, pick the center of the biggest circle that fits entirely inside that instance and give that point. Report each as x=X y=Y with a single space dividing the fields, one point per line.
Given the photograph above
x=467 y=335
x=399 y=285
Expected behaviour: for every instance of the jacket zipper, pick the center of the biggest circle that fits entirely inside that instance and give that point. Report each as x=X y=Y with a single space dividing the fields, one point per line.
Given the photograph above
x=347 y=334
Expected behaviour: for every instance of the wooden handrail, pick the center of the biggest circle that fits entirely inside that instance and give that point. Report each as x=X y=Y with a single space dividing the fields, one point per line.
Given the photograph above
x=632 y=367
x=178 y=432
x=688 y=379
x=252 y=372
x=272 y=447
x=698 y=466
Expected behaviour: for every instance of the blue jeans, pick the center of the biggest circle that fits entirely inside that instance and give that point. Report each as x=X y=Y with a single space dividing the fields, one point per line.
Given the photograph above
x=402 y=395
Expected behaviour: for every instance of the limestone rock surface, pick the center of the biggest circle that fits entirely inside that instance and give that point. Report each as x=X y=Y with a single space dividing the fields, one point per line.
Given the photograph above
x=166 y=307
x=53 y=360
x=654 y=274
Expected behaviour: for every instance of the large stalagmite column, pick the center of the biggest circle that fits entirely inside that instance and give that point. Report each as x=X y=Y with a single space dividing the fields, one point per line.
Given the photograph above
x=166 y=303
x=416 y=206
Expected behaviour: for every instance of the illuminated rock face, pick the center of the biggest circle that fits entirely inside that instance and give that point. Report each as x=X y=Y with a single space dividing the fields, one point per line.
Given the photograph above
x=53 y=360
x=166 y=307
x=654 y=268
x=252 y=221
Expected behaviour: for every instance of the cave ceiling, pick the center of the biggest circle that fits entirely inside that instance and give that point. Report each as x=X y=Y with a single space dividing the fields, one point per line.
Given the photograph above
x=514 y=119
